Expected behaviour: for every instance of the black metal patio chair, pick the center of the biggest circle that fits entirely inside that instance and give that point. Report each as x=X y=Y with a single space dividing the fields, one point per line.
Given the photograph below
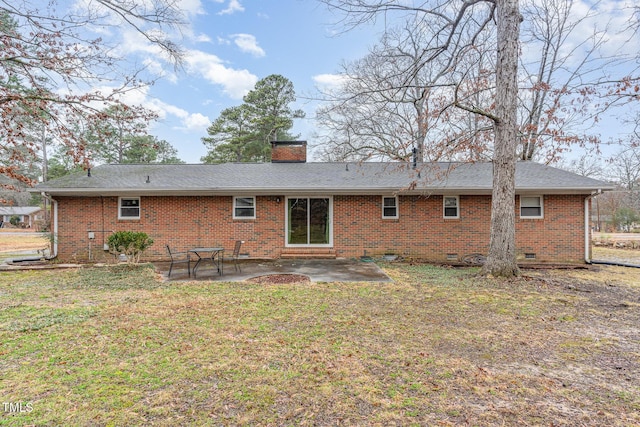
x=179 y=258
x=236 y=254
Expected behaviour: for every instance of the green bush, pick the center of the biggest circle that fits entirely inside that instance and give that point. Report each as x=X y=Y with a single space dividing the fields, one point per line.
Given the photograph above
x=130 y=243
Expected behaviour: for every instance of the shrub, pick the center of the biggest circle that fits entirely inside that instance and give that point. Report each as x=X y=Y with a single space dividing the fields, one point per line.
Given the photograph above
x=130 y=243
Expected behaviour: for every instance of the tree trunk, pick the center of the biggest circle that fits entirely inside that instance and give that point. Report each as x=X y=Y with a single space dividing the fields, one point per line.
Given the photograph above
x=501 y=260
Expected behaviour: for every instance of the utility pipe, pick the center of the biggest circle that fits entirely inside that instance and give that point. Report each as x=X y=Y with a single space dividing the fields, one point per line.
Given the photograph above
x=587 y=222
x=54 y=225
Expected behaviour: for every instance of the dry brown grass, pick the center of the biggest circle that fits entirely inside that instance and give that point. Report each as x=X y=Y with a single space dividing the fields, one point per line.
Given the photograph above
x=613 y=254
x=10 y=243
x=440 y=346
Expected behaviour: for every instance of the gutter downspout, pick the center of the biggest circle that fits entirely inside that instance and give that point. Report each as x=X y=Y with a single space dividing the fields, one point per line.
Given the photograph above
x=54 y=213
x=587 y=222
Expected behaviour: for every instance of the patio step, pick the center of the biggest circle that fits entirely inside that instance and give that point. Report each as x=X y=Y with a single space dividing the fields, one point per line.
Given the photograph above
x=318 y=253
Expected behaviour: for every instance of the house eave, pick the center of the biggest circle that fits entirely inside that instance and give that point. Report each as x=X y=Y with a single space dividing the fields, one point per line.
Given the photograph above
x=289 y=191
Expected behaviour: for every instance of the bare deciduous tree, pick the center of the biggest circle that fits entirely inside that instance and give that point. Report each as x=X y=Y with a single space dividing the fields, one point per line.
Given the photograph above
x=391 y=101
x=560 y=68
x=456 y=25
x=393 y=98
x=626 y=167
x=56 y=70
x=501 y=259
x=586 y=165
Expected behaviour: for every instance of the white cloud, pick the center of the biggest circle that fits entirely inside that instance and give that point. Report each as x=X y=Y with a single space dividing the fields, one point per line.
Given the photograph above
x=248 y=43
x=329 y=81
x=197 y=122
x=192 y=7
x=137 y=96
x=202 y=38
x=163 y=109
x=134 y=42
x=233 y=7
x=235 y=83
x=155 y=67
x=601 y=25
x=618 y=17
x=189 y=122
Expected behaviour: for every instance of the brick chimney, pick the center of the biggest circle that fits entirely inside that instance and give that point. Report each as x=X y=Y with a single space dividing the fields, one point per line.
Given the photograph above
x=289 y=152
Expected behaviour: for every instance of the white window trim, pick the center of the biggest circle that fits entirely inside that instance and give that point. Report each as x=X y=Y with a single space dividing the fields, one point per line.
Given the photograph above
x=235 y=198
x=444 y=212
x=541 y=198
x=397 y=215
x=120 y=208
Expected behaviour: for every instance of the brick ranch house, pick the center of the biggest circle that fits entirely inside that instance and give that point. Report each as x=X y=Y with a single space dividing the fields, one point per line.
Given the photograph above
x=293 y=208
x=27 y=216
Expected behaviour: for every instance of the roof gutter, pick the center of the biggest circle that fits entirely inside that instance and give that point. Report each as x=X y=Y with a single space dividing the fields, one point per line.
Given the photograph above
x=237 y=191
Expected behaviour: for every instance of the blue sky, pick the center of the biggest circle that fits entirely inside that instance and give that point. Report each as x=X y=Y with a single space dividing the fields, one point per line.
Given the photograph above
x=232 y=44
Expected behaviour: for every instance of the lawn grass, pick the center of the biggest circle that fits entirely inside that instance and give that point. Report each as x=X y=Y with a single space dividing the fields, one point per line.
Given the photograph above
x=440 y=346
x=613 y=254
x=10 y=243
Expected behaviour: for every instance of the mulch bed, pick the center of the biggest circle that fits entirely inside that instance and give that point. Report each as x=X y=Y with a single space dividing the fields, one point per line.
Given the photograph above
x=277 y=279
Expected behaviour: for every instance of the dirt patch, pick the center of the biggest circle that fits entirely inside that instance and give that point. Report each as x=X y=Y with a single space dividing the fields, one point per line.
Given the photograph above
x=277 y=279
x=592 y=352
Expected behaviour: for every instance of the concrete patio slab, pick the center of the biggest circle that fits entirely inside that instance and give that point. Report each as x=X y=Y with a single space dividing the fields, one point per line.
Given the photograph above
x=318 y=270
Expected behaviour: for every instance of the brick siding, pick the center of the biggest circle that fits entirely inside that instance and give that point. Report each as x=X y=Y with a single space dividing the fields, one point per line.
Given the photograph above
x=420 y=231
x=289 y=151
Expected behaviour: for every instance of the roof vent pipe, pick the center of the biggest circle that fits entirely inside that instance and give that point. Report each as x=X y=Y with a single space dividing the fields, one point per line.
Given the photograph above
x=415 y=157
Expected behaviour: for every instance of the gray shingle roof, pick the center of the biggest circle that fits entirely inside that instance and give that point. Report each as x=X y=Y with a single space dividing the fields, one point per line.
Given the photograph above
x=312 y=178
x=19 y=210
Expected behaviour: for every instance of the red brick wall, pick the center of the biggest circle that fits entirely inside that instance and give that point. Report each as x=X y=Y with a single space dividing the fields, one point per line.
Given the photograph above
x=557 y=236
x=420 y=231
x=181 y=222
x=289 y=151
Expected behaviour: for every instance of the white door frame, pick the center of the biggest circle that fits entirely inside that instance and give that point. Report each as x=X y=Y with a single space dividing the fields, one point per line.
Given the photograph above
x=286 y=223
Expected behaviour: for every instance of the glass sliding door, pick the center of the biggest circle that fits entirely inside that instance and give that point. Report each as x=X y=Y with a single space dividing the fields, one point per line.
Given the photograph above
x=319 y=221
x=298 y=230
x=309 y=221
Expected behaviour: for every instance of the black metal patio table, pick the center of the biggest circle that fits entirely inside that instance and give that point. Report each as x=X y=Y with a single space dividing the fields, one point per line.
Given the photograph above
x=214 y=254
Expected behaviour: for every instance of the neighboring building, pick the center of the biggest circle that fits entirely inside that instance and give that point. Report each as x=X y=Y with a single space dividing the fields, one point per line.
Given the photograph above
x=290 y=208
x=27 y=216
